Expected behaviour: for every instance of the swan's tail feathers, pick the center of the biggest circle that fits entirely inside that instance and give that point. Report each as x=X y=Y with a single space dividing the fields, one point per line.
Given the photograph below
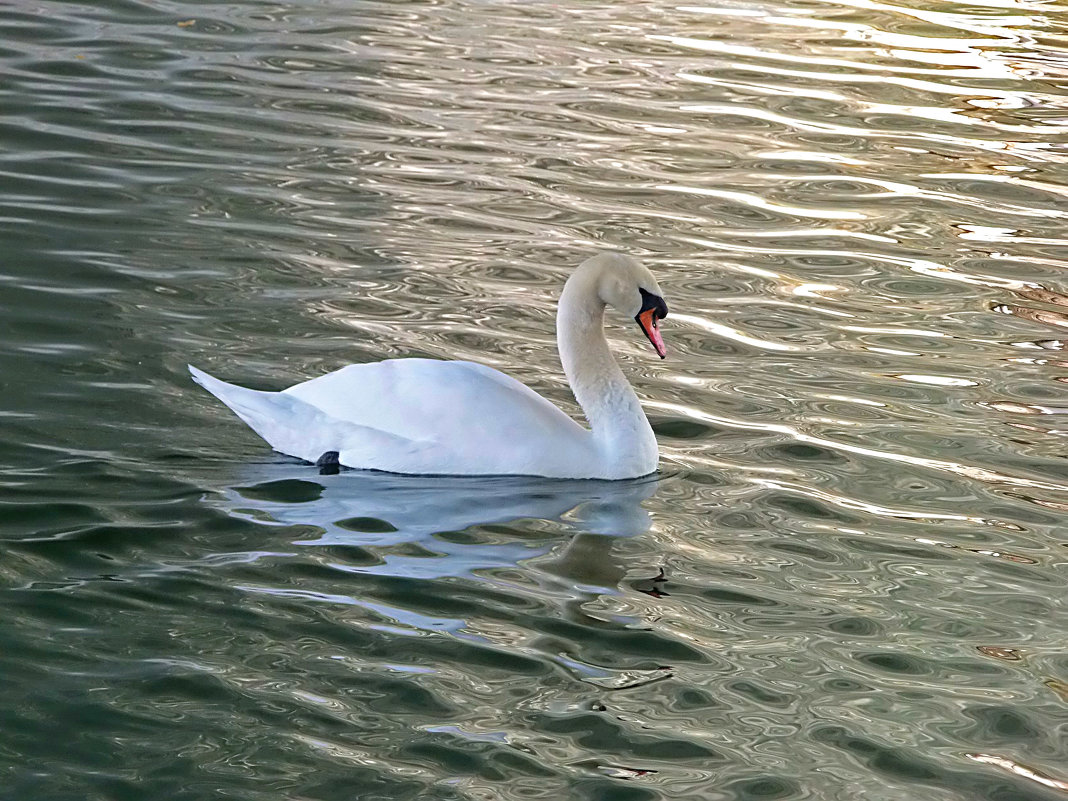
x=297 y=428
x=294 y=427
x=280 y=419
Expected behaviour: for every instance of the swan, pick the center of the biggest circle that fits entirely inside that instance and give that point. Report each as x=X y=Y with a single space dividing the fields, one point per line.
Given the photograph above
x=431 y=417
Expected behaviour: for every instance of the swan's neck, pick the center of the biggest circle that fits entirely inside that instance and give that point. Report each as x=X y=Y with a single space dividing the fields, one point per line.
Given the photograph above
x=621 y=431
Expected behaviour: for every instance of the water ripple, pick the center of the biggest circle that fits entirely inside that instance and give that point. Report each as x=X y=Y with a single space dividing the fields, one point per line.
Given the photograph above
x=847 y=580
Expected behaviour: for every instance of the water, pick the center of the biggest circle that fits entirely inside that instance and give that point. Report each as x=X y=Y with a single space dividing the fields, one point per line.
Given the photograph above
x=848 y=579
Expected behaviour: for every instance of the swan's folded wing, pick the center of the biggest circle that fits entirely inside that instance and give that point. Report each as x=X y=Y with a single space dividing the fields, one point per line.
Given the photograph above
x=422 y=398
x=480 y=419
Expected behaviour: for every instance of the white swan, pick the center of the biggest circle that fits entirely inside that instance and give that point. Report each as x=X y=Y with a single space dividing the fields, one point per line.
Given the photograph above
x=424 y=416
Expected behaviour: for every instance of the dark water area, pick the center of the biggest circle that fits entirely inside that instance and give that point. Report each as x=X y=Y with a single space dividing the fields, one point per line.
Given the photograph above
x=848 y=580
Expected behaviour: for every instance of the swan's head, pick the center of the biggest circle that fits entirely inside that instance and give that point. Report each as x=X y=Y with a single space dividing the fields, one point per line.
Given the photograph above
x=627 y=286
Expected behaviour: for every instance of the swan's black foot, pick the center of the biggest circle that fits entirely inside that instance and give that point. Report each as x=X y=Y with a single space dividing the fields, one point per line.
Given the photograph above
x=328 y=464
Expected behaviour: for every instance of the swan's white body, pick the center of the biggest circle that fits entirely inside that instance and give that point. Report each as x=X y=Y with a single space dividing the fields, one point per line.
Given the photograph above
x=423 y=416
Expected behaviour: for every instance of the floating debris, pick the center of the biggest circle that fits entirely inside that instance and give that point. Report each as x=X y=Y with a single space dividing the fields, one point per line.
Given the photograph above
x=1020 y=770
x=1008 y=654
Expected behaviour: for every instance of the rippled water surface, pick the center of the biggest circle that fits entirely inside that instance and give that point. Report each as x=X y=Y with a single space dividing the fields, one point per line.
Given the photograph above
x=848 y=580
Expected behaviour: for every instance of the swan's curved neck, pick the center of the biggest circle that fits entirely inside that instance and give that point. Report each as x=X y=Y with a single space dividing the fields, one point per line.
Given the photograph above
x=620 y=428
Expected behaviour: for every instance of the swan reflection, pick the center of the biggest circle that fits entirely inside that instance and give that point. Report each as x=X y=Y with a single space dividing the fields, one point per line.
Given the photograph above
x=381 y=511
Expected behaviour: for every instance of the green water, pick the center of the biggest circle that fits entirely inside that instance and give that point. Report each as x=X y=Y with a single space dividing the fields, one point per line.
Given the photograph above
x=848 y=580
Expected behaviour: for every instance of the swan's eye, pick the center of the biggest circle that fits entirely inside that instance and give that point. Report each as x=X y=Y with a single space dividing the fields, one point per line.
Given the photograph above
x=654 y=303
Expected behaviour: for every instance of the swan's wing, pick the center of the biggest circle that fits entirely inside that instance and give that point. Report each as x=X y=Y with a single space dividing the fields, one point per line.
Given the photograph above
x=426 y=398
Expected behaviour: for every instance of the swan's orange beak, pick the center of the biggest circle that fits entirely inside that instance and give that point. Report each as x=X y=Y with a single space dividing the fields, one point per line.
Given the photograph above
x=648 y=322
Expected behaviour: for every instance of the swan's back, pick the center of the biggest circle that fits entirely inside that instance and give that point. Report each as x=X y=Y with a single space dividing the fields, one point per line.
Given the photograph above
x=427 y=399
